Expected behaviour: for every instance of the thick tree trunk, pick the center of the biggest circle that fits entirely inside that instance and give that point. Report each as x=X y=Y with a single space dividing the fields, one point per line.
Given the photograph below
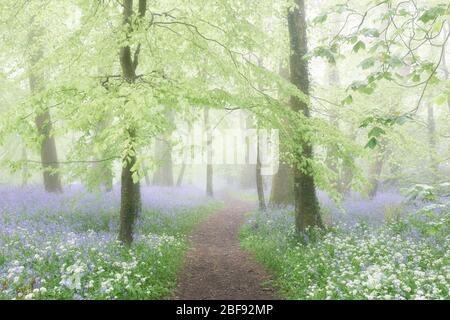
x=130 y=205
x=307 y=213
x=209 y=155
x=49 y=155
x=130 y=201
x=259 y=178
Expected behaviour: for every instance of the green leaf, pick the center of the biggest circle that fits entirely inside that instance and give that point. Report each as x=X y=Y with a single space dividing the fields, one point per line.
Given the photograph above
x=372 y=143
x=325 y=52
x=366 y=122
x=358 y=46
x=363 y=87
x=376 y=132
x=320 y=19
x=416 y=77
x=370 y=32
x=432 y=14
x=395 y=62
x=441 y=99
x=348 y=100
x=367 y=63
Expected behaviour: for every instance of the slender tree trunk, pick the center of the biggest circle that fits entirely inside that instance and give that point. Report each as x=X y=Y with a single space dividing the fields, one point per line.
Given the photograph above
x=259 y=178
x=307 y=213
x=247 y=177
x=209 y=165
x=49 y=155
x=130 y=201
x=130 y=205
x=43 y=121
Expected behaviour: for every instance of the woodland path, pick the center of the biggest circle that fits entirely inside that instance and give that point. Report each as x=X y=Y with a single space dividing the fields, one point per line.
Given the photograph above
x=216 y=267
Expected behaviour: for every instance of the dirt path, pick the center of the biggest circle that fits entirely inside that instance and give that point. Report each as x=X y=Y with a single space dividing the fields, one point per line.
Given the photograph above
x=216 y=267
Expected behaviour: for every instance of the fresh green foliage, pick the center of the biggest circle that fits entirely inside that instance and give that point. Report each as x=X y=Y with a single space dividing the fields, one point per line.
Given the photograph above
x=394 y=261
x=88 y=263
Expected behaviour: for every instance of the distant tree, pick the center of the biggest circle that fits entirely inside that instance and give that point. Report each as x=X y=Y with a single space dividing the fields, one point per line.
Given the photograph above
x=43 y=120
x=209 y=154
x=259 y=177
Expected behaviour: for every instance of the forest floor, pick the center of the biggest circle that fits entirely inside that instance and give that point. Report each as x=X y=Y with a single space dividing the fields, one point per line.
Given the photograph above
x=216 y=267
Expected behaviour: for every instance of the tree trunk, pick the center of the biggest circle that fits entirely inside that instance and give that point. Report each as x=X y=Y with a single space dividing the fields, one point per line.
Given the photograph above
x=49 y=155
x=307 y=213
x=130 y=201
x=259 y=178
x=209 y=154
x=130 y=204
x=247 y=177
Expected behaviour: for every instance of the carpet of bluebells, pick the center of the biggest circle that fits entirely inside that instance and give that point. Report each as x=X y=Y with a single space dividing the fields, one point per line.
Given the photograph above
x=64 y=246
x=389 y=247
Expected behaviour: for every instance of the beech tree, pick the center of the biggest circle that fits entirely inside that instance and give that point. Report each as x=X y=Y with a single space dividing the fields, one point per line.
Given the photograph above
x=307 y=212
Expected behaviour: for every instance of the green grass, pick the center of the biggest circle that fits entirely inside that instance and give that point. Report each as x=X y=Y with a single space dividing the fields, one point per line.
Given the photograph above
x=96 y=268
x=386 y=262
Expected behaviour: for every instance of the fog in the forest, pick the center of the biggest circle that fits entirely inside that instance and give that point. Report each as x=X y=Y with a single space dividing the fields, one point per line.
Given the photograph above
x=126 y=124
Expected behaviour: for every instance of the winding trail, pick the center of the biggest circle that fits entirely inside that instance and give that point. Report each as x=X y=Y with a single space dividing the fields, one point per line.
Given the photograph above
x=216 y=267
